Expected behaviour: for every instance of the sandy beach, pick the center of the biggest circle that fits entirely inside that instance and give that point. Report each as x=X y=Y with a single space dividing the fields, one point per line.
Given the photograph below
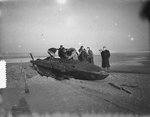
x=75 y=97
x=50 y=46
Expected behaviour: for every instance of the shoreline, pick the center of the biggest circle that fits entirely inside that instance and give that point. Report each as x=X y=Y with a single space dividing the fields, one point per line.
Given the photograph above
x=113 y=69
x=129 y=72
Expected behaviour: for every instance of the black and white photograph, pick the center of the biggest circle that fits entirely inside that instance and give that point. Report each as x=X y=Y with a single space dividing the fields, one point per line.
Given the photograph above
x=75 y=58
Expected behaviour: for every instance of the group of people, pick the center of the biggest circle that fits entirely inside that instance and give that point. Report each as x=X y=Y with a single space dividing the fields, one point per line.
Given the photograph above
x=82 y=55
x=71 y=53
x=86 y=55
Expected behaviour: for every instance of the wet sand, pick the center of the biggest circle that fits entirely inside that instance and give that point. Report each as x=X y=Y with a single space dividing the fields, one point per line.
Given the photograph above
x=79 y=97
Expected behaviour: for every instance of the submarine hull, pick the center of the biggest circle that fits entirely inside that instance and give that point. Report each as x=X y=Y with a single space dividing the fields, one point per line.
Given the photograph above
x=57 y=67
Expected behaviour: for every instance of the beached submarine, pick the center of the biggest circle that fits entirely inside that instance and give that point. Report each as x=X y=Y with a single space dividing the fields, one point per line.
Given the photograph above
x=65 y=69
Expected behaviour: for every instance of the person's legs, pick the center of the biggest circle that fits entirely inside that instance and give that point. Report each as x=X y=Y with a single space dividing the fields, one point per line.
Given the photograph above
x=104 y=68
x=89 y=59
x=103 y=64
x=108 y=69
x=92 y=60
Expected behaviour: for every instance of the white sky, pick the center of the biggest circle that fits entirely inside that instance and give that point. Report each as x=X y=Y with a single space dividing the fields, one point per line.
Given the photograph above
x=36 y=25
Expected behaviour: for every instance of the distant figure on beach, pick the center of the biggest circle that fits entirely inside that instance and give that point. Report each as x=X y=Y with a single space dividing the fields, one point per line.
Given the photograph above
x=90 y=55
x=105 y=54
x=51 y=52
x=82 y=54
x=62 y=52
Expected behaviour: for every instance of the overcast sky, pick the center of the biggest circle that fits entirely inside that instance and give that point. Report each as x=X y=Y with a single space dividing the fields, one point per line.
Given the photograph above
x=36 y=25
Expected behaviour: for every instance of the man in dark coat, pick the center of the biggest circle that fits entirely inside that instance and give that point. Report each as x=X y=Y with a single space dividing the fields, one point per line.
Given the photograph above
x=82 y=54
x=105 y=54
x=62 y=52
x=90 y=56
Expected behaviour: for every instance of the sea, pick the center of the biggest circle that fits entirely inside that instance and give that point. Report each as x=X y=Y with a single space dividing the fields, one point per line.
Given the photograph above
x=137 y=62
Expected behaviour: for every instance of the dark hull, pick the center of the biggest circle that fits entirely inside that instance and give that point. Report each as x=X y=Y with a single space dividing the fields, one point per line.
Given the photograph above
x=69 y=68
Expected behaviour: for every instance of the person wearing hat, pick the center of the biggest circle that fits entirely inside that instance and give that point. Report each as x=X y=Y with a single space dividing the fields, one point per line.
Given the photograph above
x=62 y=52
x=82 y=54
